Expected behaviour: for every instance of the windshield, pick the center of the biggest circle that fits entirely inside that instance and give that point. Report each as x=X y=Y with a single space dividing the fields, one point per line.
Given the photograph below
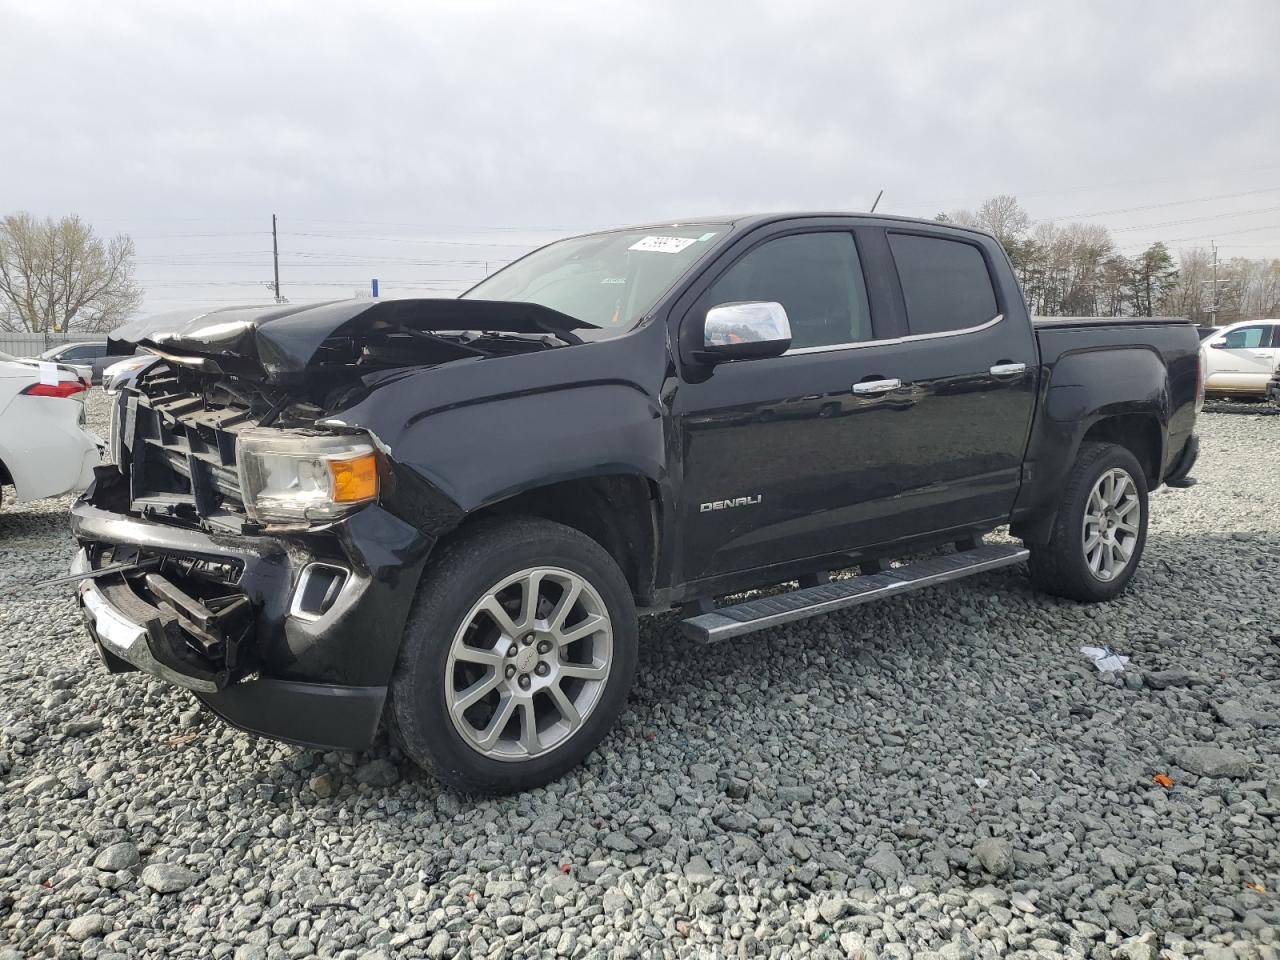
x=609 y=280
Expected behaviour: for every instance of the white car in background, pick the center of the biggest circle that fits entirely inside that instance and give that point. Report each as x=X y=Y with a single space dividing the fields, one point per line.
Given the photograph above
x=44 y=448
x=1242 y=357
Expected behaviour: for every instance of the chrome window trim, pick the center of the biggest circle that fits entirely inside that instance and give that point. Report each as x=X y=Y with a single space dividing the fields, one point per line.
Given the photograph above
x=911 y=338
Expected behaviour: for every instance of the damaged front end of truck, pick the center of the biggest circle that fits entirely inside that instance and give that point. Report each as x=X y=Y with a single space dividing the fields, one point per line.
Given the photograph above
x=252 y=541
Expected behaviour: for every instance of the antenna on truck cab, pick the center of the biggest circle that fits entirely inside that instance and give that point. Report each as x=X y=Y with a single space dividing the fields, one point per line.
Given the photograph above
x=877 y=203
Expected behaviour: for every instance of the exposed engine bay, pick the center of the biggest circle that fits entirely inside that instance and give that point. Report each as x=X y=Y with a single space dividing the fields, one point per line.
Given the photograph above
x=220 y=430
x=319 y=347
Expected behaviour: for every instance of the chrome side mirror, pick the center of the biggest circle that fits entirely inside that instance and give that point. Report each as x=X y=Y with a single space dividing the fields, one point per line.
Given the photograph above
x=747 y=330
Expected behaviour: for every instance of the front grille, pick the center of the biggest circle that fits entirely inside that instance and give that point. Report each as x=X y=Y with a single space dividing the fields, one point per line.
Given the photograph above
x=181 y=459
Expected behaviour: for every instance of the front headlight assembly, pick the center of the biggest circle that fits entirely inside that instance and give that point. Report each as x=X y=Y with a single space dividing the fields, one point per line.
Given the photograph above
x=289 y=477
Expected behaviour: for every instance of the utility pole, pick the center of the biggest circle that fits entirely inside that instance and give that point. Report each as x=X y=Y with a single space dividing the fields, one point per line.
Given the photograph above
x=1213 y=314
x=275 y=257
x=1213 y=308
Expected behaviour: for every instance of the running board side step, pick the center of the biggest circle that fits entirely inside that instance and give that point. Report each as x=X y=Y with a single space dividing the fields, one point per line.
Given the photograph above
x=749 y=616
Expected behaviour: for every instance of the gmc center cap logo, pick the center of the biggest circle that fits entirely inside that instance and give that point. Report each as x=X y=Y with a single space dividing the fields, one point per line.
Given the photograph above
x=730 y=504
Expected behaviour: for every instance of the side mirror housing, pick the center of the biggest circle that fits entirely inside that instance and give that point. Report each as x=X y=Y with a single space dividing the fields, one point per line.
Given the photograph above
x=748 y=330
x=1218 y=344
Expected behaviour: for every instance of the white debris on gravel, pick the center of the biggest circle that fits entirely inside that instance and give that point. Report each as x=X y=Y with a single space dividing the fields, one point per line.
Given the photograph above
x=940 y=775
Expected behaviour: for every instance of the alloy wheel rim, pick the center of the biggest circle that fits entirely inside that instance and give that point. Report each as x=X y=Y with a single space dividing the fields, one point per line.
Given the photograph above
x=1112 y=518
x=529 y=664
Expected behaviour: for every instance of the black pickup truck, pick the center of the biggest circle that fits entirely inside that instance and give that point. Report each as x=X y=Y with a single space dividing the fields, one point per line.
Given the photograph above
x=448 y=513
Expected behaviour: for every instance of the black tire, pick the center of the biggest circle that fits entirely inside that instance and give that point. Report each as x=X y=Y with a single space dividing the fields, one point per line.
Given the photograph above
x=1060 y=566
x=459 y=576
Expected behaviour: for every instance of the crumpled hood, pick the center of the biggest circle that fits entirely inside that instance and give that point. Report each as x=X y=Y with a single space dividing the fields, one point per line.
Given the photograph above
x=278 y=341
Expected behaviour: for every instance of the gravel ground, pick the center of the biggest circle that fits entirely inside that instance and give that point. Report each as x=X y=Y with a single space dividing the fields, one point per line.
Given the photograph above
x=939 y=775
x=1250 y=405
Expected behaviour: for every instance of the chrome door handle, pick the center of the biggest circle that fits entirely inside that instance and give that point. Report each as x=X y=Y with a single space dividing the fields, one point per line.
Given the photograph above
x=876 y=386
x=1008 y=369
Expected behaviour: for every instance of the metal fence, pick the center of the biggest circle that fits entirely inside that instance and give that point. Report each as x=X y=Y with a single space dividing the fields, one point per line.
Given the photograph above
x=34 y=344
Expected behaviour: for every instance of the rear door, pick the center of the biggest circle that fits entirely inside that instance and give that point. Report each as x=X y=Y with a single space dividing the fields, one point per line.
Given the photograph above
x=969 y=365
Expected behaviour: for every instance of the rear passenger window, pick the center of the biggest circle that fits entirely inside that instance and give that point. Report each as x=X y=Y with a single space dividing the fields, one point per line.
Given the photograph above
x=815 y=276
x=945 y=283
x=1247 y=338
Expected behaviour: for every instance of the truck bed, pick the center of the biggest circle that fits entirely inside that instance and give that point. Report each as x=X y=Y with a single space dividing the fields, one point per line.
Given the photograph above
x=1148 y=365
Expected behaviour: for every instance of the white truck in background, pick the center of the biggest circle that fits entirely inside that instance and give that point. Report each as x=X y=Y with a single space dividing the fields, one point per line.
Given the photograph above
x=1241 y=358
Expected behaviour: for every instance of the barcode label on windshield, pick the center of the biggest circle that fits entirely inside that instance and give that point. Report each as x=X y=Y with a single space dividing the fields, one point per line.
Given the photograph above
x=663 y=244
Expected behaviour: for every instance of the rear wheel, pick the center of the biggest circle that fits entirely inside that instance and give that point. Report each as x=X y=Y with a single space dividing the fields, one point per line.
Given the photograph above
x=517 y=657
x=1101 y=528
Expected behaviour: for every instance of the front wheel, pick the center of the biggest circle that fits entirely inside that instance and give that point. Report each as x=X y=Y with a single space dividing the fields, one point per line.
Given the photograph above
x=517 y=656
x=1101 y=527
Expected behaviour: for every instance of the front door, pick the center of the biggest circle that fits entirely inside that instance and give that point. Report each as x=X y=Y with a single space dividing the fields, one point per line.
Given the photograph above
x=770 y=448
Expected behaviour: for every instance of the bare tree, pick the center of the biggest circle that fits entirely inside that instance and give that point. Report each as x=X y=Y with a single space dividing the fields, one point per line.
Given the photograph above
x=57 y=275
x=1252 y=291
x=1188 y=295
x=961 y=218
x=1074 y=268
x=1062 y=269
x=1001 y=215
x=1004 y=217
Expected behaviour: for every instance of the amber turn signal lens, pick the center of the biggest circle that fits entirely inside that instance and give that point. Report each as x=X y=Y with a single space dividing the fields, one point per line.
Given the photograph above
x=354 y=480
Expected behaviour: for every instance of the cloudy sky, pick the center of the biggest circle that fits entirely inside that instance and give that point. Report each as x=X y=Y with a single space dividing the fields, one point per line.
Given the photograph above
x=425 y=143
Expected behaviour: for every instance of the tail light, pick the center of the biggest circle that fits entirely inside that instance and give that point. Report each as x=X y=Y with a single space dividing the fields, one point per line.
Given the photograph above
x=1199 y=381
x=63 y=388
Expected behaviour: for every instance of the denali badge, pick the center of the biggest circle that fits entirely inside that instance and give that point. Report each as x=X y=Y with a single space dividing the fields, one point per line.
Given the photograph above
x=728 y=504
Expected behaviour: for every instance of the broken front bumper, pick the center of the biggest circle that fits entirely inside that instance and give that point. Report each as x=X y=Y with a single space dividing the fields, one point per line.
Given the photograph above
x=124 y=639
x=292 y=638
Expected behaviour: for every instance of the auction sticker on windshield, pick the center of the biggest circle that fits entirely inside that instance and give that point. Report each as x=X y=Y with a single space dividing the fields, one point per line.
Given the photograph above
x=663 y=244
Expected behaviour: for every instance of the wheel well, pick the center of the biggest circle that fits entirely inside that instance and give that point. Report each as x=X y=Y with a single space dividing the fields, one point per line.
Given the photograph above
x=619 y=512
x=1139 y=433
x=5 y=476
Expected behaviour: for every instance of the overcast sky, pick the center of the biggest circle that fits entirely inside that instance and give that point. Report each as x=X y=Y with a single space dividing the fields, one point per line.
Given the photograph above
x=424 y=143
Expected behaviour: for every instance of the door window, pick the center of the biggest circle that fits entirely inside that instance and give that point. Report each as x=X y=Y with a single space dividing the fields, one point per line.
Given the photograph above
x=817 y=278
x=86 y=351
x=945 y=283
x=1247 y=338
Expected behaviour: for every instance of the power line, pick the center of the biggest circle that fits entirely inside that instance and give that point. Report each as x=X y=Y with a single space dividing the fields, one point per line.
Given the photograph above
x=186 y=236
x=1214 y=216
x=458 y=228
x=1225 y=233
x=1097 y=186
x=306 y=283
x=1159 y=206
x=386 y=239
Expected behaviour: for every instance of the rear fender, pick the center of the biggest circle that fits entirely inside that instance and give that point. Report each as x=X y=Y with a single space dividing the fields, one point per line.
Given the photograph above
x=1082 y=390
